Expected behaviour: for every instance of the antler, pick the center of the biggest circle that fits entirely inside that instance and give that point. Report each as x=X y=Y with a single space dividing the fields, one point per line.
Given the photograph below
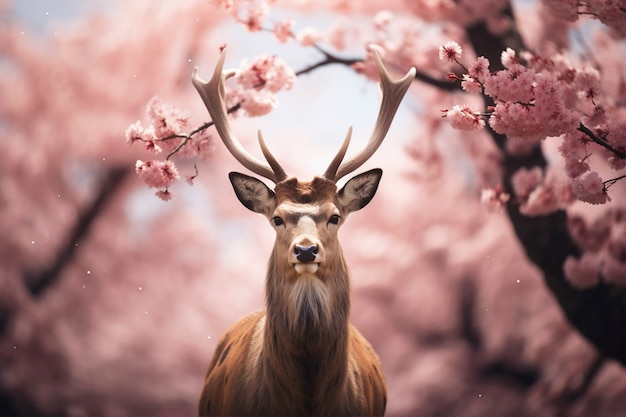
x=212 y=94
x=392 y=93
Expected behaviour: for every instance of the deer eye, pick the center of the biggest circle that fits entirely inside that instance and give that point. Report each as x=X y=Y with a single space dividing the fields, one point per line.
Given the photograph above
x=334 y=219
x=277 y=221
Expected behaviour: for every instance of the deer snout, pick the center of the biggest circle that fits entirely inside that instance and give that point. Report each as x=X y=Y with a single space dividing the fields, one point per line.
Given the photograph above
x=305 y=253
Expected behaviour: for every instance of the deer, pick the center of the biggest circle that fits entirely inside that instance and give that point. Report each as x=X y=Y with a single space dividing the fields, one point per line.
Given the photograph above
x=300 y=355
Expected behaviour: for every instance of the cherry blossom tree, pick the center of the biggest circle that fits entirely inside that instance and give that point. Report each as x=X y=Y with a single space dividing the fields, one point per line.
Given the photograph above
x=112 y=299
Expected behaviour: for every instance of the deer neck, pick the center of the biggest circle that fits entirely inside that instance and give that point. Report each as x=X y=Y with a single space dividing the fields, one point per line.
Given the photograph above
x=305 y=344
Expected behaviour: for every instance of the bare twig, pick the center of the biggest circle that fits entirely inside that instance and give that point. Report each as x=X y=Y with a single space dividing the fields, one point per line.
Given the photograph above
x=596 y=139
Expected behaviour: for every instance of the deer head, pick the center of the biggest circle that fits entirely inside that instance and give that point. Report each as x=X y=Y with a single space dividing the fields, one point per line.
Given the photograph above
x=303 y=211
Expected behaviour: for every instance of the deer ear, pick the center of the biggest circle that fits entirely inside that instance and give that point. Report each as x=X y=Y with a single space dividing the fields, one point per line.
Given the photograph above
x=359 y=191
x=253 y=193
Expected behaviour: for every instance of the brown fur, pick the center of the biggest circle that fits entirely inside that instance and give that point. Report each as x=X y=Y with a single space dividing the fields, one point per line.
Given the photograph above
x=299 y=356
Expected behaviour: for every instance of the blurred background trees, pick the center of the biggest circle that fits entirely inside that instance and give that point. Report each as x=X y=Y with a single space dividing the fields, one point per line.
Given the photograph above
x=111 y=300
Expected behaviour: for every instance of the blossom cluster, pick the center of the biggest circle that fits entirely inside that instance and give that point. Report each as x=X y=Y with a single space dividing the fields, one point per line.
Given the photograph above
x=258 y=82
x=603 y=243
x=253 y=14
x=609 y=12
x=165 y=135
x=540 y=193
x=536 y=97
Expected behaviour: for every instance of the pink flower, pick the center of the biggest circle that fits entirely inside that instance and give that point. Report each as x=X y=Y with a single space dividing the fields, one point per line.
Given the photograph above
x=157 y=174
x=450 y=52
x=587 y=82
x=552 y=194
x=590 y=189
x=282 y=30
x=590 y=238
x=255 y=14
x=382 y=19
x=508 y=58
x=511 y=85
x=471 y=85
x=166 y=119
x=480 y=69
x=308 y=36
x=574 y=151
x=582 y=273
x=152 y=147
x=164 y=195
x=524 y=181
x=266 y=72
x=257 y=103
x=463 y=118
x=137 y=132
x=338 y=35
x=616 y=137
x=494 y=198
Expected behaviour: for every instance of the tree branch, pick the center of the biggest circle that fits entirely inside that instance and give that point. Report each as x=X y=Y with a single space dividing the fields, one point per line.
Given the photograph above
x=38 y=282
x=596 y=139
x=330 y=59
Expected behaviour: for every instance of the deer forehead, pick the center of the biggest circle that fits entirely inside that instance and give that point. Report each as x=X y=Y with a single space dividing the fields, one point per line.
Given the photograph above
x=297 y=213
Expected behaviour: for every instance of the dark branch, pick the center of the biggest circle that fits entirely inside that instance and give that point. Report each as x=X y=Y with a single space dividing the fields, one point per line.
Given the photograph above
x=330 y=59
x=38 y=282
x=596 y=139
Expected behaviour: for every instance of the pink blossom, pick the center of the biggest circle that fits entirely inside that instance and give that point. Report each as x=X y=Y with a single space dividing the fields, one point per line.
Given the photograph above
x=548 y=116
x=616 y=137
x=166 y=119
x=590 y=238
x=552 y=194
x=337 y=36
x=471 y=85
x=480 y=69
x=582 y=273
x=494 y=198
x=382 y=19
x=587 y=83
x=450 y=52
x=598 y=117
x=573 y=148
x=268 y=72
x=308 y=36
x=257 y=103
x=255 y=14
x=590 y=188
x=524 y=181
x=164 y=195
x=136 y=132
x=201 y=146
x=152 y=147
x=515 y=84
x=463 y=118
x=157 y=174
x=282 y=30
x=508 y=58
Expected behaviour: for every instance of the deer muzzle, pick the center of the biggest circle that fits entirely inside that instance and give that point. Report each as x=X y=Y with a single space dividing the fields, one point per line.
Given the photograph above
x=306 y=252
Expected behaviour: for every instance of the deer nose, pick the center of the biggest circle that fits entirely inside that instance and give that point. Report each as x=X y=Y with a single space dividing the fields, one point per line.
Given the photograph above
x=305 y=253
